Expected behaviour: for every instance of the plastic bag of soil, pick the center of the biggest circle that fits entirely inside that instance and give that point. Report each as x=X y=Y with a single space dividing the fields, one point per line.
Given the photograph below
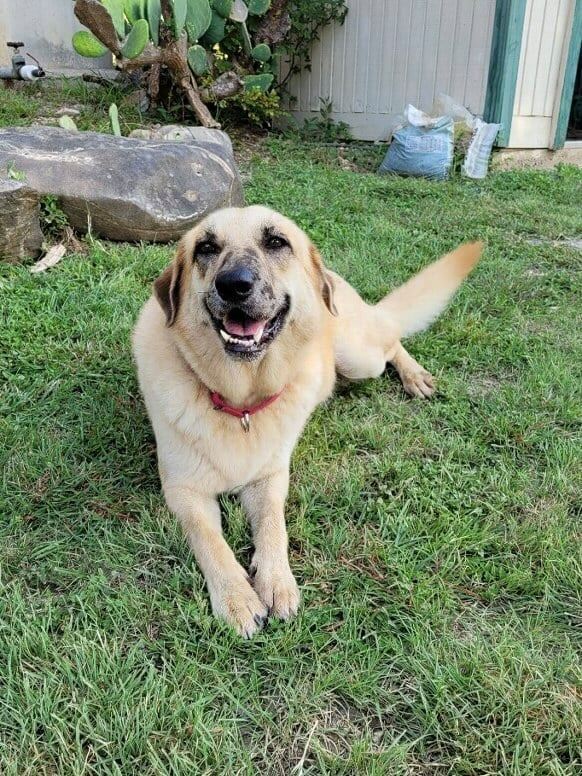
x=422 y=146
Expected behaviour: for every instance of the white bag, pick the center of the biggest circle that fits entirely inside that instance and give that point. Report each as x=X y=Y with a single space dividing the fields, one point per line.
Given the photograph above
x=479 y=150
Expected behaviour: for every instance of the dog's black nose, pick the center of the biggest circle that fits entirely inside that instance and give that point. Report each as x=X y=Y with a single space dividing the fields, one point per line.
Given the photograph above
x=234 y=284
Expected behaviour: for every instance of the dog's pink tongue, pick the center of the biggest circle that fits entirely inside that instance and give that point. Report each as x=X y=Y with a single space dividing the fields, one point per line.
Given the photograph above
x=247 y=329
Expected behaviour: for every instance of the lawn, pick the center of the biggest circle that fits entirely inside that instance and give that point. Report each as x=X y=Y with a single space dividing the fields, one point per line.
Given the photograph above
x=437 y=544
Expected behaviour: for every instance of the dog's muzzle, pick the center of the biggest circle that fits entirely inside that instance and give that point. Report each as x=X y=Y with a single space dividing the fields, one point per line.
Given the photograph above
x=244 y=311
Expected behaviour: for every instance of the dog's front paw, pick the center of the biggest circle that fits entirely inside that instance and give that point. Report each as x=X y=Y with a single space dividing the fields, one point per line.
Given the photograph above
x=238 y=604
x=418 y=383
x=277 y=588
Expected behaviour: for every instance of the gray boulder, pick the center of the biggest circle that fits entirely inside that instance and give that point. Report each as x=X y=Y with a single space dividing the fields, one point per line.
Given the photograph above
x=183 y=133
x=124 y=188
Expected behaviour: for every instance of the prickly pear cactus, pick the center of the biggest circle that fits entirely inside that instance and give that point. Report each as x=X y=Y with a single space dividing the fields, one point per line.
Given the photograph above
x=259 y=7
x=262 y=53
x=239 y=12
x=114 y=119
x=198 y=18
x=197 y=59
x=87 y=45
x=215 y=32
x=137 y=39
x=154 y=14
x=134 y=10
x=222 y=7
x=179 y=11
x=115 y=8
x=262 y=81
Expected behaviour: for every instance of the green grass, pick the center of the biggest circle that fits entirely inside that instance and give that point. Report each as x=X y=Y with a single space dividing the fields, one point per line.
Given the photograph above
x=437 y=544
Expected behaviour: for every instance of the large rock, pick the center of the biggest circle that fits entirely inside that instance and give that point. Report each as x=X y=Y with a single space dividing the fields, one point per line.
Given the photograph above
x=20 y=235
x=123 y=188
x=184 y=133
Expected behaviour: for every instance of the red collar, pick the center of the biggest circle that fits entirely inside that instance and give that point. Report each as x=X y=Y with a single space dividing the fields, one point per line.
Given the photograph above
x=244 y=414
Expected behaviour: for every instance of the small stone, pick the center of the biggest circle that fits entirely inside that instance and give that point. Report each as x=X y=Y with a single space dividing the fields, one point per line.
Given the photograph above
x=67 y=112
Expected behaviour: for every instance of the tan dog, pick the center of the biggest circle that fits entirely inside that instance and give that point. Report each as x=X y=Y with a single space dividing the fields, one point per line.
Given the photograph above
x=248 y=318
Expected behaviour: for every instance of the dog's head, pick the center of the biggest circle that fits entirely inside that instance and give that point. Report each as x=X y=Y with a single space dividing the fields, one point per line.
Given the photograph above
x=249 y=274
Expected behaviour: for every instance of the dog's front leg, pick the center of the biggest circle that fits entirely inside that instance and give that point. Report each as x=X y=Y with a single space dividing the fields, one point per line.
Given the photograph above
x=232 y=597
x=264 y=503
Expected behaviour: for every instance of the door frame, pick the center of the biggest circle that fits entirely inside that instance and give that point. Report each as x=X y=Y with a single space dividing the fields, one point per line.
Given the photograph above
x=568 y=78
x=504 y=65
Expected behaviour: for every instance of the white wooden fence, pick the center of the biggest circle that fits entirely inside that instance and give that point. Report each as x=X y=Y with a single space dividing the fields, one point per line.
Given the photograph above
x=392 y=52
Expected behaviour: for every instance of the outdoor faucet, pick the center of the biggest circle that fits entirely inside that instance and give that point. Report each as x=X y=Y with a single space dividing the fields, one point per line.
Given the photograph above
x=20 y=70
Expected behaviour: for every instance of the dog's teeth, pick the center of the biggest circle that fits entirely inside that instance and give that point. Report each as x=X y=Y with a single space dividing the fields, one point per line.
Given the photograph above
x=247 y=343
x=258 y=334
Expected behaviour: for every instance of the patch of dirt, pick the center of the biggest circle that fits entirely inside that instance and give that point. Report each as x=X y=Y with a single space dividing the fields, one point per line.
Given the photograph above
x=568 y=242
x=483 y=385
x=535 y=158
x=334 y=730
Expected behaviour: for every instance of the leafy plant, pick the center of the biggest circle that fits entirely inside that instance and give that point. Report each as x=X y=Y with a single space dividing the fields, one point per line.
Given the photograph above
x=305 y=23
x=232 y=45
x=14 y=174
x=114 y=119
x=323 y=129
x=52 y=217
x=260 y=106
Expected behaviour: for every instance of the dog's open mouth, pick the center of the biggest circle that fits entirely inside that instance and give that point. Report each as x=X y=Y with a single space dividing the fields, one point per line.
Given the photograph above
x=247 y=337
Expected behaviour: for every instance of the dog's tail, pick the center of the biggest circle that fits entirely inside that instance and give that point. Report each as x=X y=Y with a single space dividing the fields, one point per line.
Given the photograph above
x=416 y=304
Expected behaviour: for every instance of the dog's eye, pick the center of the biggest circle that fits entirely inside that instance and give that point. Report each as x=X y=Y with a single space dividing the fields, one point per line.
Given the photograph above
x=206 y=248
x=273 y=242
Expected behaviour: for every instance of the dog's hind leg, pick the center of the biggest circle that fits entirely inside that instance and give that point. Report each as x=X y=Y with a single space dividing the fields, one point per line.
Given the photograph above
x=416 y=381
x=365 y=336
x=367 y=339
x=368 y=336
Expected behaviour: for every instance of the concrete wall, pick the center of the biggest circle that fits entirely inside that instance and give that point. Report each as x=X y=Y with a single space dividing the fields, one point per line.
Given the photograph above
x=392 y=52
x=46 y=27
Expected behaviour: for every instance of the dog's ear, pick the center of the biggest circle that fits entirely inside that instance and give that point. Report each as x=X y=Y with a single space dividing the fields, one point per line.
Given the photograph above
x=325 y=279
x=168 y=286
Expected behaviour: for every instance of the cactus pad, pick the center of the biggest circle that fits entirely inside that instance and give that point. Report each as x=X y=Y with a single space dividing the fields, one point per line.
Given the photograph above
x=115 y=8
x=179 y=11
x=259 y=7
x=262 y=53
x=154 y=15
x=239 y=12
x=137 y=39
x=134 y=10
x=197 y=59
x=114 y=119
x=262 y=82
x=222 y=7
x=215 y=32
x=198 y=18
x=87 y=45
